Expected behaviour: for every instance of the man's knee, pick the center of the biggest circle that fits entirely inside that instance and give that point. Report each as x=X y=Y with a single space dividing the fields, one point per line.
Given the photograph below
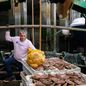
x=6 y=61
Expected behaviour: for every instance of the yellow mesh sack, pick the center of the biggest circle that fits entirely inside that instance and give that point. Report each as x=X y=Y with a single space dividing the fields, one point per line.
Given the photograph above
x=35 y=58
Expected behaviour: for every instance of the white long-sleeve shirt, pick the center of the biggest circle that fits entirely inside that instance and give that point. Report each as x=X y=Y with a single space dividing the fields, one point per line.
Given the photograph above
x=20 y=48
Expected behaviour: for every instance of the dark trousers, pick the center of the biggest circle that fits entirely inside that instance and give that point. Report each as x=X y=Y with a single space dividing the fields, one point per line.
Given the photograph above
x=9 y=63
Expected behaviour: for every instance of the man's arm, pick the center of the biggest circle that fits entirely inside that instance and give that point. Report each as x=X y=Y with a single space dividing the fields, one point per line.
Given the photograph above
x=7 y=36
x=31 y=45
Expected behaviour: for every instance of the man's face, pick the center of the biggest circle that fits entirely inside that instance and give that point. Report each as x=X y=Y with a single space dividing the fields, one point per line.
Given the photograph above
x=22 y=36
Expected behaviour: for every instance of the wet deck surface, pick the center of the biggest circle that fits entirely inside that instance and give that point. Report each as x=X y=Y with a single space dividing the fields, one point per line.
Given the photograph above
x=10 y=83
x=3 y=82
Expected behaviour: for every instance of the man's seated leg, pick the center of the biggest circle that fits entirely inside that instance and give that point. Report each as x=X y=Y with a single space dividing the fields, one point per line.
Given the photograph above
x=19 y=66
x=8 y=64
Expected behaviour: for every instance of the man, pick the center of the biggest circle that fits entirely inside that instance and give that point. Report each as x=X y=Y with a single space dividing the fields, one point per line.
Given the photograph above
x=21 y=45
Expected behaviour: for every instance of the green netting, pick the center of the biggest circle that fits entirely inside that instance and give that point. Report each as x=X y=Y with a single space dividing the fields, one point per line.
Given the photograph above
x=77 y=59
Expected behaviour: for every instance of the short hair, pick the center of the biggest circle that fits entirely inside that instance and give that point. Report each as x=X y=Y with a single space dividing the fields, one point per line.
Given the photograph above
x=24 y=31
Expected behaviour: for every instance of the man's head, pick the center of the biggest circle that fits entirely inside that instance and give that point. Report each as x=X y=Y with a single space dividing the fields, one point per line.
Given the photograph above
x=22 y=35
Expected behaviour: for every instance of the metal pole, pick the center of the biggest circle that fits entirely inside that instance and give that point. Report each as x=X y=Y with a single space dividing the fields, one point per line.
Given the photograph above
x=40 y=38
x=17 y=15
x=33 y=21
x=54 y=23
x=44 y=26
